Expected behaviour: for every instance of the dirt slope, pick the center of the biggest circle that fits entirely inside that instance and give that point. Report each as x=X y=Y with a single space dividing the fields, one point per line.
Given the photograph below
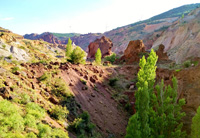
x=96 y=99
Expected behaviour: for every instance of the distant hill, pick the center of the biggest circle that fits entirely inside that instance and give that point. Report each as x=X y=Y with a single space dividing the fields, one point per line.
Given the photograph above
x=147 y=30
x=64 y=36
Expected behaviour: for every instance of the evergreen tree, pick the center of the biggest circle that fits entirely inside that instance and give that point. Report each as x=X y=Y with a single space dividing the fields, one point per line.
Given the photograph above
x=166 y=113
x=98 y=56
x=69 y=48
x=138 y=125
x=196 y=125
x=78 y=56
x=158 y=115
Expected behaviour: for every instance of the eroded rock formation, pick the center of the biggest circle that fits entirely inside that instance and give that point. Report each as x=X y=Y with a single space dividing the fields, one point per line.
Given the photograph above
x=133 y=51
x=161 y=54
x=105 y=45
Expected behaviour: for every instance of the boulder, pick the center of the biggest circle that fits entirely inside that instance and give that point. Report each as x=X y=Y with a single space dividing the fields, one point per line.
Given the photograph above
x=105 y=45
x=133 y=51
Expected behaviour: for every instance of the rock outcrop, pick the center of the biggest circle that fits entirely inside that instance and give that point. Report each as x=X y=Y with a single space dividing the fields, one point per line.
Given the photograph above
x=133 y=51
x=105 y=45
x=162 y=56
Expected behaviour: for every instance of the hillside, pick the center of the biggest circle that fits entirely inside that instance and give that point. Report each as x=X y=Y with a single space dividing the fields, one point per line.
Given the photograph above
x=182 y=38
x=43 y=95
x=148 y=30
x=52 y=94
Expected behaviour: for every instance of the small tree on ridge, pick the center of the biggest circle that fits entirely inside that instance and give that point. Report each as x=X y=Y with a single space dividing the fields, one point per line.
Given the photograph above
x=98 y=56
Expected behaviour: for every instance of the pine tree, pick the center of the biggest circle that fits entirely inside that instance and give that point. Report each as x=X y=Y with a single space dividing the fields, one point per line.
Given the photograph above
x=195 y=133
x=158 y=115
x=98 y=56
x=69 y=48
x=166 y=113
x=138 y=125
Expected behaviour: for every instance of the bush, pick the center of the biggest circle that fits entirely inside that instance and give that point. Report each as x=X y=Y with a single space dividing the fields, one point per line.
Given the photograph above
x=187 y=64
x=35 y=110
x=71 y=104
x=77 y=56
x=11 y=120
x=59 y=112
x=111 y=58
x=46 y=131
x=10 y=57
x=25 y=98
x=82 y=125
x=59 y=88
x=4 y=46
x=83 y=81
x=44 y=77
x=113 y=81
x=31 y=135
x=15 y=69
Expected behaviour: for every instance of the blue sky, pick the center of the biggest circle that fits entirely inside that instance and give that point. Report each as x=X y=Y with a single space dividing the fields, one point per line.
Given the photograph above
x=80 y=16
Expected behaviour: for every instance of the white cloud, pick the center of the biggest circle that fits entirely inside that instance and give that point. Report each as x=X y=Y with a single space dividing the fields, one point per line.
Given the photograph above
x=7 y=18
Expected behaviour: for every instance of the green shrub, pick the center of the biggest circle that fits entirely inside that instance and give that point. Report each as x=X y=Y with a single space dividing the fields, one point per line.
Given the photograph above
x=178 y=70
x=111 y=58
x=2 y=34
x=78 y=56
x=195 y=63
x=48 y=132
x=35 y=110
x=187 y=64
x=43 y=61
x=59 y=112
x=58 y=133
x=22 y=47
x=44 y=131
x=11 y=120
x=31 y=135
x=59 y=88
x=25 y=98
x=82 y=125
x=10 y=57
x=15 y=69
x=113 y=81
x=71 y=104
x=4 y=46
x=83 y=81
x=30 y=121
x=44 y=77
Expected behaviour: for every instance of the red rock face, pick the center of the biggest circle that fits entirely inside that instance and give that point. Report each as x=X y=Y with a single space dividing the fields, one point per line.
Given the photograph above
x=105 y=45
x=131 y=54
